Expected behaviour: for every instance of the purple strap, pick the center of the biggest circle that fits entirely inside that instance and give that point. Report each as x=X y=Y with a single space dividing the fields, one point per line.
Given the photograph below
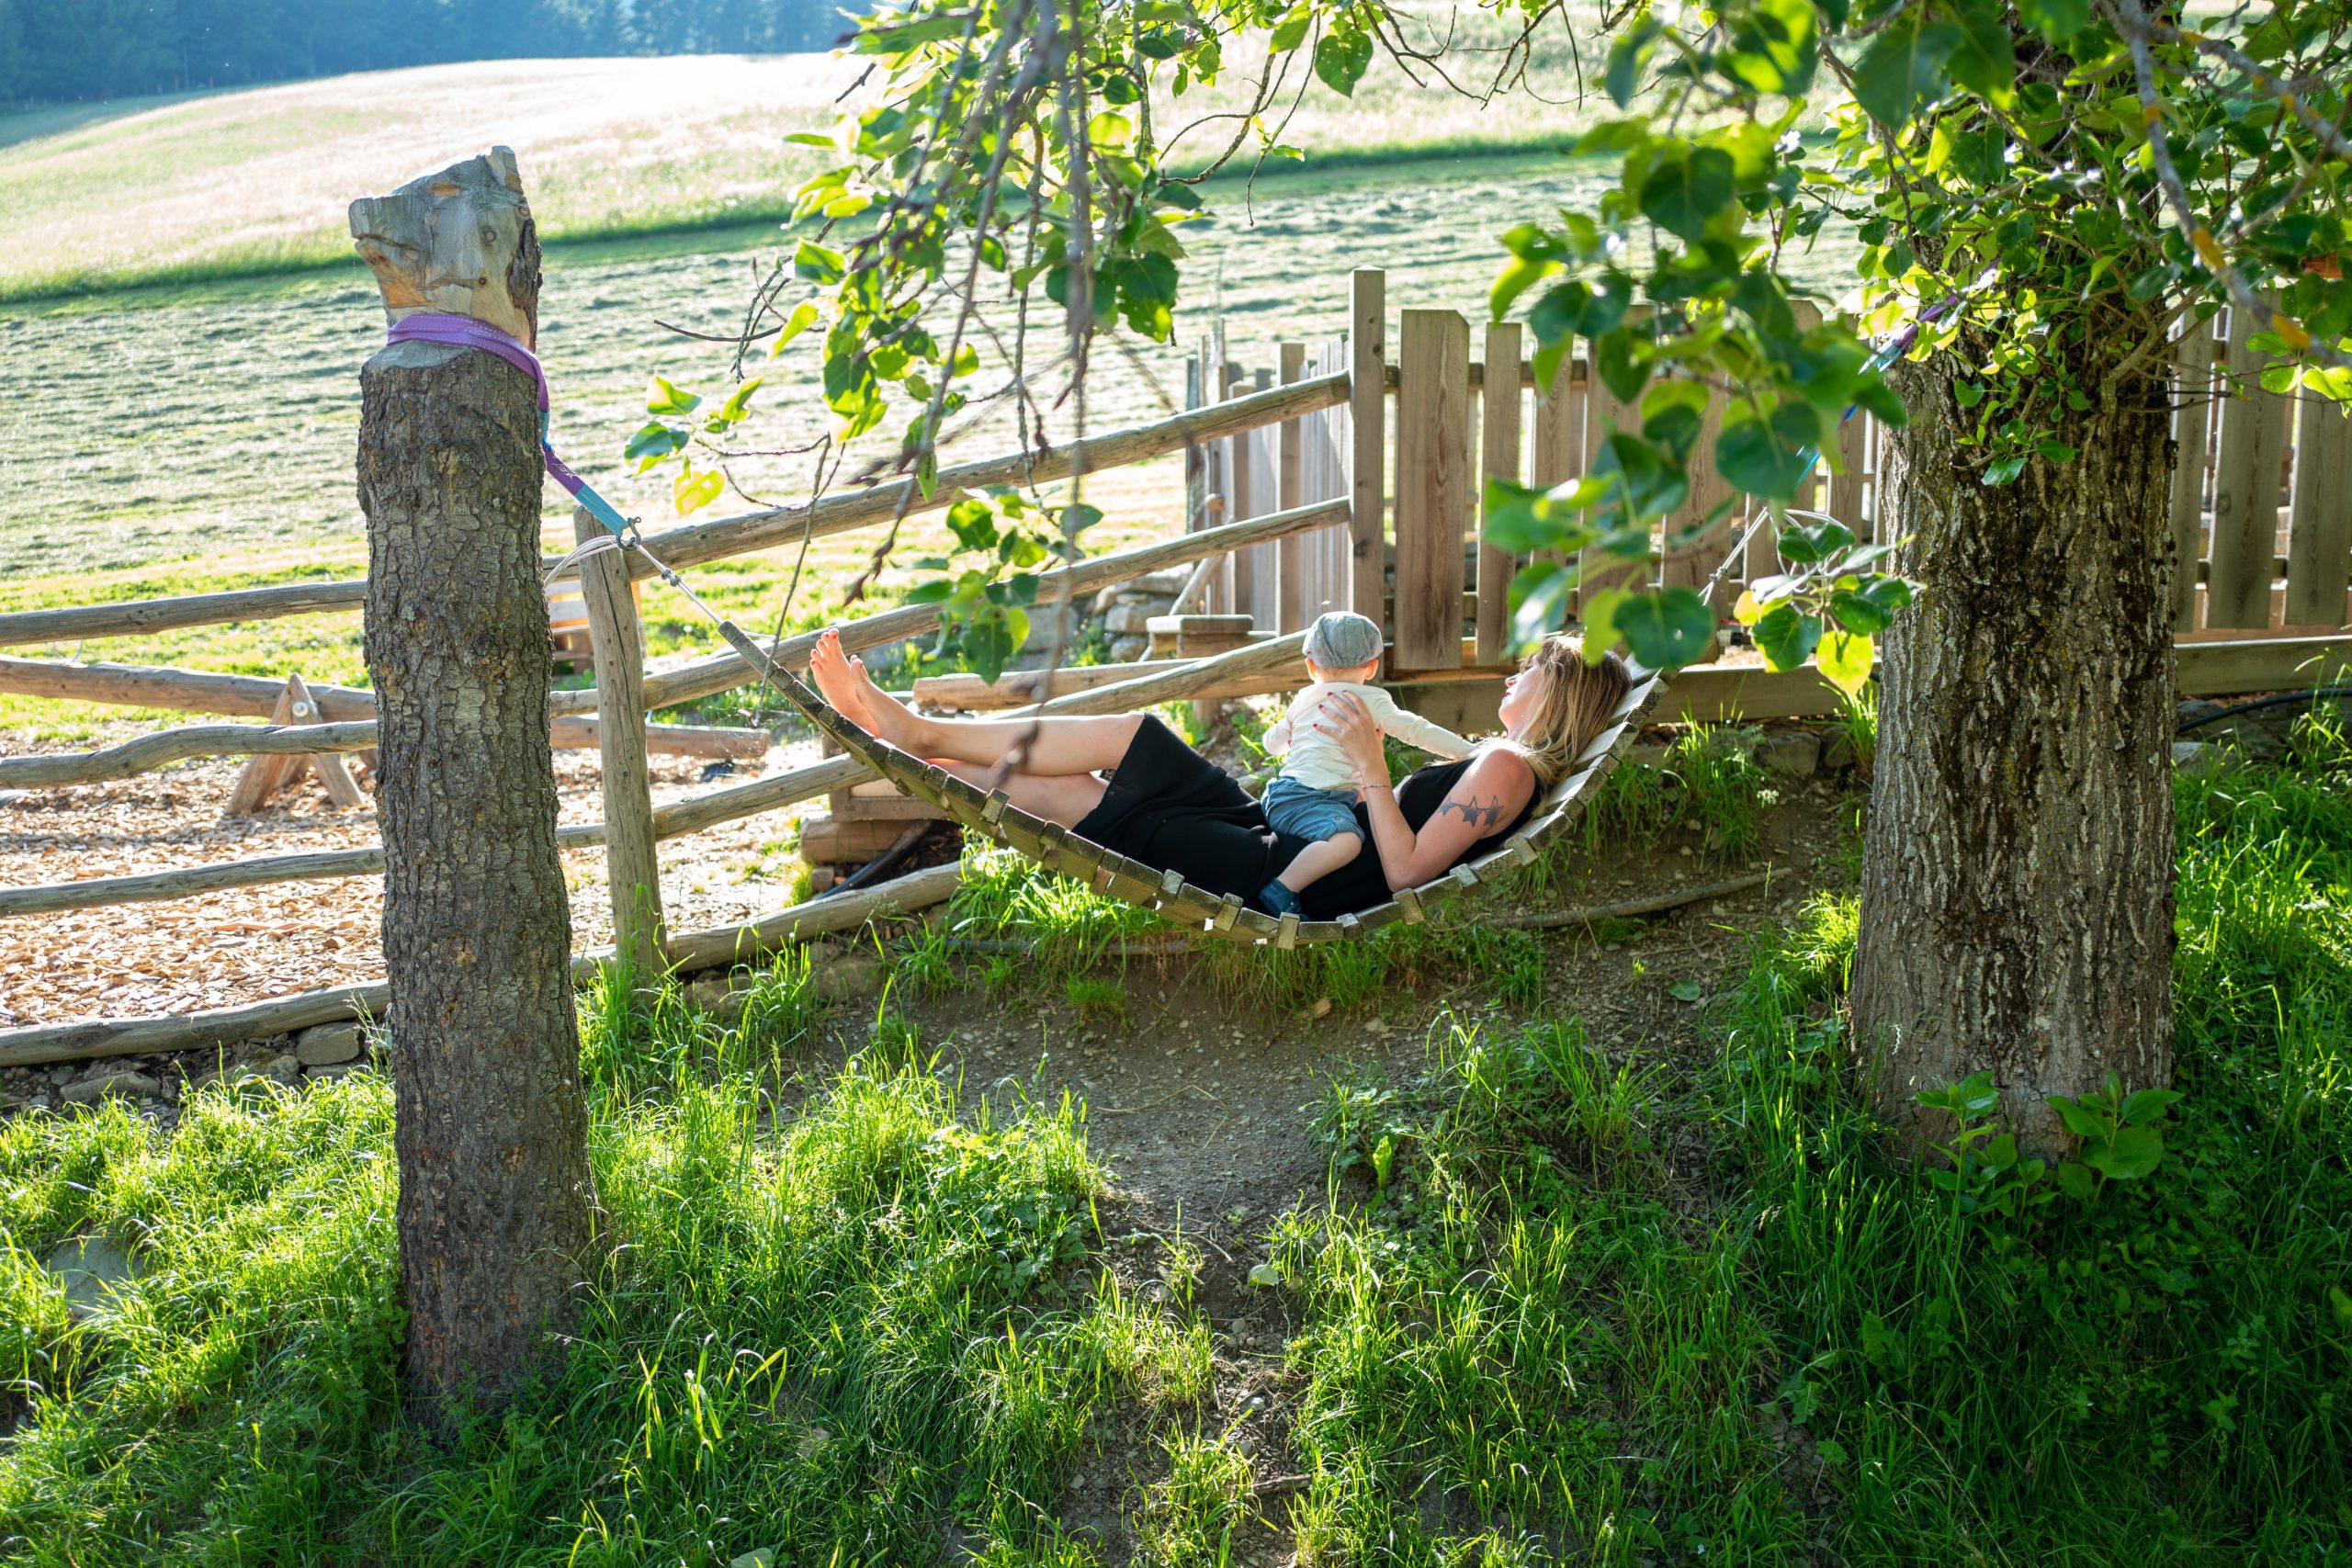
x=465 y=332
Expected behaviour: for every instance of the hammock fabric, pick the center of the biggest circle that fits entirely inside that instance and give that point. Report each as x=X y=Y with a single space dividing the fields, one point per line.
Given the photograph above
x=1167 y=894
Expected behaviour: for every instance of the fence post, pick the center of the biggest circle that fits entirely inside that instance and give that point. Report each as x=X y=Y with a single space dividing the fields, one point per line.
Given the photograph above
x=2192 y=426
x=1432 y=486
x=632 y=863
x=2320 y=532
x=1368 y=418
x=1289 y=555
x=2246 y=490
x=1498 y=459
x=490 y=1124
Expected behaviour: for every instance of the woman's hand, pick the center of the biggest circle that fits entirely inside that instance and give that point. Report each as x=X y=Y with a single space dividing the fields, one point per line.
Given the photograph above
x=1343 y=718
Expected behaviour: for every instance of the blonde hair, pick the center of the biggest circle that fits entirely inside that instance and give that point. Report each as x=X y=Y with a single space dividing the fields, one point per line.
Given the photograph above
x=1573 y=703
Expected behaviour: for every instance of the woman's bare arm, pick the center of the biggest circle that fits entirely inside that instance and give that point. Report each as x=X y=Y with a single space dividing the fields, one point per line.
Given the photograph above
x=1491 y=791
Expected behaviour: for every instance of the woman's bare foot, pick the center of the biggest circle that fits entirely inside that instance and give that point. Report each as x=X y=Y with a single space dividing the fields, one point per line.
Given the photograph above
x=829 y=668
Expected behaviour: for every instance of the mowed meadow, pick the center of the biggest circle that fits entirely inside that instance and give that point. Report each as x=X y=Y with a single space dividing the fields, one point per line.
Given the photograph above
x=198 y=431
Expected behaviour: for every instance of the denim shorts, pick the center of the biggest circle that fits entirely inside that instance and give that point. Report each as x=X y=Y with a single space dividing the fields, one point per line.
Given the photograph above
x=1307 y=813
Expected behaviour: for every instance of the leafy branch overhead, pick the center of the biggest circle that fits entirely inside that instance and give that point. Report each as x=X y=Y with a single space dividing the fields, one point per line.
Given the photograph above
x=2028 y=180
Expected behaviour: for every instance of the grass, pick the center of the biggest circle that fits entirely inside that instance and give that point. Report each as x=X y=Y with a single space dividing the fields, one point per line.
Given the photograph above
x=1558 y=1304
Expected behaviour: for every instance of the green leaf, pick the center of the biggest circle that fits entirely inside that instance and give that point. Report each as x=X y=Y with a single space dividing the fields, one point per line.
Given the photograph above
x=1668 y=629
x=1599 y=614
x=1681 y=194
x=1341 y=60
x=936 y=591
x=2132 y=1154
x=1539 y=595
x=2075 y=1181
x=662 y=397
x=1844 y=658
x=737 y=407
x=2056 y=20
x=1904 y=66
x=2080 y=1118
x=803 y=317
x=1630 y=56
x=1291 y=31
x=1640 y=474
x=1856 y=614
x=813 y=262
x=1687 y=991
x=2149 y=1104
x=692 y=491
x=651 y=444
x=1785 y=636
x=1986 y=61
x=1773 y=47
x=1766 y=457
x=1265 y=1274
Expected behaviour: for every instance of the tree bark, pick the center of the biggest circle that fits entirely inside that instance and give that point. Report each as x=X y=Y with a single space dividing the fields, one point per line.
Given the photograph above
x=2016 y=881
x=496 y=1199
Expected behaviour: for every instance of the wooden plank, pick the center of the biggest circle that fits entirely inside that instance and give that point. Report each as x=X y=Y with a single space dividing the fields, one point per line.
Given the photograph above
x=1291 y=596
x=1432 y=487
x=267 y=772
x=2319 y=541
x=333 y=772
x=1368 y=423
x=632 y=867
x=1598 y=569
x=1499 y=440
x=1555 y=456
x=2192 y=430
x=1691 y=548
x=2245 y=489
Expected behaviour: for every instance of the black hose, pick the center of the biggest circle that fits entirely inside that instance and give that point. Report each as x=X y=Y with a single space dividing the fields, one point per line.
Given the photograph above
x=2312 y=695
x=887 y=861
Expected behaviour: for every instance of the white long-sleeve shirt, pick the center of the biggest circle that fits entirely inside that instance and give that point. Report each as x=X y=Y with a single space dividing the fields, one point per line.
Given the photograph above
x=1318 y=761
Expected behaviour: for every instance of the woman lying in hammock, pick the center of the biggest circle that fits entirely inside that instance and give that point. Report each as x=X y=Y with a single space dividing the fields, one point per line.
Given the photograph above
x=1128 y=782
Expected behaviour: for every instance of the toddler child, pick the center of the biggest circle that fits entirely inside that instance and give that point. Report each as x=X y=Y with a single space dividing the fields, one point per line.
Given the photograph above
x=1314 y=795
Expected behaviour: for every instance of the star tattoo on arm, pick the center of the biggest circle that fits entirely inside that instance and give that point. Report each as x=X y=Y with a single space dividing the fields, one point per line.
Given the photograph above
x=1477 y=813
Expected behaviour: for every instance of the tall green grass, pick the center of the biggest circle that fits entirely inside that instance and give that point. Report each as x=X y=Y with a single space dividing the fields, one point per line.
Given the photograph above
x=838 y=1336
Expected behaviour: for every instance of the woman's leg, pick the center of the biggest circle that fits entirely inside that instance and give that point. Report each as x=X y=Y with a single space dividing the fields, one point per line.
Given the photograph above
x=1065 y=798
x=1048 y=746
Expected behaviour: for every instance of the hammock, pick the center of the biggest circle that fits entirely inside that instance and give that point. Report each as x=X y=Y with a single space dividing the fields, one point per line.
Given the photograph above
x=1167 y=894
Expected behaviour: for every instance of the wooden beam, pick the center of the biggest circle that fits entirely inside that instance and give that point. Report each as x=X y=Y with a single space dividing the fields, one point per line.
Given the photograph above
x=1292 y=612
x=695 y=543
x=720 y=671
x=1498 y=459
x=87 y=1039
x=2192 y=426
x=617 y=642
x=1433 y=469
x=261 y=777
x=1368 y=423
x=2321 y=533
x=2246 y=490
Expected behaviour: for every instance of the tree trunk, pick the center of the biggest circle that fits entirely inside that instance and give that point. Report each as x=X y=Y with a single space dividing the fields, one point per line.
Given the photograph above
x=2017 y=880
x=496 y=1199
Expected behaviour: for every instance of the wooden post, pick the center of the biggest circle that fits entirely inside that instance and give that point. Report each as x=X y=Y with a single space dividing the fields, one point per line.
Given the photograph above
x=2321 y=534
x=2192 y=426
x=1368 y=418
x=1432 y=486
x=2246 y=490
x=1597 y=570
x=1558 y=448
x=1498 y=459
x=1290 y=571
x=496 y=1195
x=263 y=776
x=632 y=867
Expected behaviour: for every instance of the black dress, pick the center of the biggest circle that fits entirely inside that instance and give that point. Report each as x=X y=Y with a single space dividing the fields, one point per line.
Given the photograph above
x=1172 y=808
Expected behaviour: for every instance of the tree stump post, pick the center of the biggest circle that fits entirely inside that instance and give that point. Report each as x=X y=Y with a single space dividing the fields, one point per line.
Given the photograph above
x=632 y=865
x=496 y=1200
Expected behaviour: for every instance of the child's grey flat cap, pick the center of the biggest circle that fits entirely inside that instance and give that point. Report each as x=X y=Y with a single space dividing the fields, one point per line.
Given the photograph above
x=1341 y=639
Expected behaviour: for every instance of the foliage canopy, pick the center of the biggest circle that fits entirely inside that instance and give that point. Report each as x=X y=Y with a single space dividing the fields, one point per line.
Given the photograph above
x=2048 y=188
